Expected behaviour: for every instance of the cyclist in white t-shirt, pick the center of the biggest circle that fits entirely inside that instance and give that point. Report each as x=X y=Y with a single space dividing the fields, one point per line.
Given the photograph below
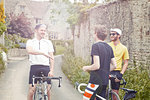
x=40 y=56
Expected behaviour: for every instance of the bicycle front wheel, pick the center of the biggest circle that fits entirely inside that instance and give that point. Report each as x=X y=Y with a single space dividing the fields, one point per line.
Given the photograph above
x=113 y=95
x=45 y=97
x=37 y=95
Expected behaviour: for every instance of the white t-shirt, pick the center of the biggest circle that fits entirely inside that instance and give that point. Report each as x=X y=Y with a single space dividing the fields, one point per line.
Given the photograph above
x=44 y=46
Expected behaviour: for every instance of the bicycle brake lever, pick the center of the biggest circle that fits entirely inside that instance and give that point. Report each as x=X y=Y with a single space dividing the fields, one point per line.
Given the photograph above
x=60 y=78
x=76 y=85
x=33 y=80
x=59 y=83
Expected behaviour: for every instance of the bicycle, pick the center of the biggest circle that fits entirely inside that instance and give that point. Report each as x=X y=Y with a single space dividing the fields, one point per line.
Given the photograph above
x=42 y=86
x=130 y=93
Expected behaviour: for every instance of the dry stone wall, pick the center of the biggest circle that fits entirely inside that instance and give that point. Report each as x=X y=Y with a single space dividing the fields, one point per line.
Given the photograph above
x=131 y=16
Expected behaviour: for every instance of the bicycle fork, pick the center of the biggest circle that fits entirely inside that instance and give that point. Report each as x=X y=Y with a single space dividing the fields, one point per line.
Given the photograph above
x=45 y=90
x=109 y=89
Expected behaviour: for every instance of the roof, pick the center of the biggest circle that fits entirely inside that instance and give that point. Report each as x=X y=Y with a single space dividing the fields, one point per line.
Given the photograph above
x=38 y=9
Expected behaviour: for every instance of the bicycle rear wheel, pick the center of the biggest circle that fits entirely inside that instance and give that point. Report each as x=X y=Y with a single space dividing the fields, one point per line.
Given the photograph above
x=113 y=94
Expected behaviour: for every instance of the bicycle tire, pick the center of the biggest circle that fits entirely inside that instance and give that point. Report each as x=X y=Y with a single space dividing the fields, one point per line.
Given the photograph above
x=45 y=97
x=113 y=93
x=37 y=95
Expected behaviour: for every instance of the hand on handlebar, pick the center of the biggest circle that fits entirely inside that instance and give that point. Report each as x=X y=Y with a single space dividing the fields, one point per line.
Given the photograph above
x=50 y=74
x=117 y=80
x=118 y=77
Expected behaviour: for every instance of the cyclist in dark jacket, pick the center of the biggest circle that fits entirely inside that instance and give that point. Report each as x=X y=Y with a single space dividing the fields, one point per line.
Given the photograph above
x=102 y=55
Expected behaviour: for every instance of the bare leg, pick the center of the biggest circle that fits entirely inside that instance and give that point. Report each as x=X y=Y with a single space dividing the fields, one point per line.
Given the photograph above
x=48 y=92
x=114 y=97
x=31 y=92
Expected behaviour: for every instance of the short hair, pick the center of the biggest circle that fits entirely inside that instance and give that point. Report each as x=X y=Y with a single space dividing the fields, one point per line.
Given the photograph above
x=101 y=32
x=40 y=25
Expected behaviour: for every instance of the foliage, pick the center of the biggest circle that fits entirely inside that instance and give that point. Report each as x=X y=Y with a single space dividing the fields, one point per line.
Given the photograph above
x=19 y=25
x=74 y=15
x=2 y=14
x=59 y=49
x=12 y=41
x=2 y=18
x=78 y=14
x=72 y=67
x=60 y=46
x=2 y=64
x=138 y=79
x=3 y=48
x=2 y=28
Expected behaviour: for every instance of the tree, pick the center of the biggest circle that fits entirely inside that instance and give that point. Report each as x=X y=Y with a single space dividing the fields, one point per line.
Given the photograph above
x=2 y=18
x=19 y=25
x=2 y=15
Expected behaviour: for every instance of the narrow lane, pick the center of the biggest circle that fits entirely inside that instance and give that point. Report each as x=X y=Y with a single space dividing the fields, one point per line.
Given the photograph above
x=14 y=82
x=67 y=91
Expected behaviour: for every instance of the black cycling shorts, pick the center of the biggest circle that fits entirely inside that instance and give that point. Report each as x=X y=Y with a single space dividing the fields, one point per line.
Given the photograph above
x=115 y=85
x=36 y=71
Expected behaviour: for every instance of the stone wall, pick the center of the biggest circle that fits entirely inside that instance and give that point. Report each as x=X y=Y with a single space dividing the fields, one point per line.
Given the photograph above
x=17 y=53
x=131 y=16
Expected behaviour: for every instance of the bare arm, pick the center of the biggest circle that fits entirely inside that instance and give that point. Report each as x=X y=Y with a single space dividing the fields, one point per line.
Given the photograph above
x=113 y=64
x=125 y=66
x=94 y=66
x=33 y=52
x=123 y=69
x=51 y=64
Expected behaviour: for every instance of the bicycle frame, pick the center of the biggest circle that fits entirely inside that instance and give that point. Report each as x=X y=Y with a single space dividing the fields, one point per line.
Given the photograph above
x=109 y=88
x=42 y=82
x=109 y=91
x=46 y=78
x=125 y=89
x=82 y=92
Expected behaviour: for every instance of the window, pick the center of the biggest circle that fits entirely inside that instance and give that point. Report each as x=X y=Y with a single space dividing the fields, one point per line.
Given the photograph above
x=38 y=20
x=22 y=8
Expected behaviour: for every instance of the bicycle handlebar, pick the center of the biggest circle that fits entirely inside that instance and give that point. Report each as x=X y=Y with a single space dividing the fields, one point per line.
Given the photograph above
x=46 y=78
x=111 y=77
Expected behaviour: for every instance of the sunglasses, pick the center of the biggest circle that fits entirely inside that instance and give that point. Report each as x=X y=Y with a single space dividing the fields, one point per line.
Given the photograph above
x=113 y=34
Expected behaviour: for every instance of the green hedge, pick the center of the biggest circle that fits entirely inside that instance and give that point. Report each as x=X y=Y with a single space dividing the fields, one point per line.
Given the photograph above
x=3 y=48
x=60 y=46
x=137 y=77
x=72 y=67
x=2 y=64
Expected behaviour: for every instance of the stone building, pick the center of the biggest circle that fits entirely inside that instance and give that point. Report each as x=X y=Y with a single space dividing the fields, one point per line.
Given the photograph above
x=40 y=12
x=131 y=16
